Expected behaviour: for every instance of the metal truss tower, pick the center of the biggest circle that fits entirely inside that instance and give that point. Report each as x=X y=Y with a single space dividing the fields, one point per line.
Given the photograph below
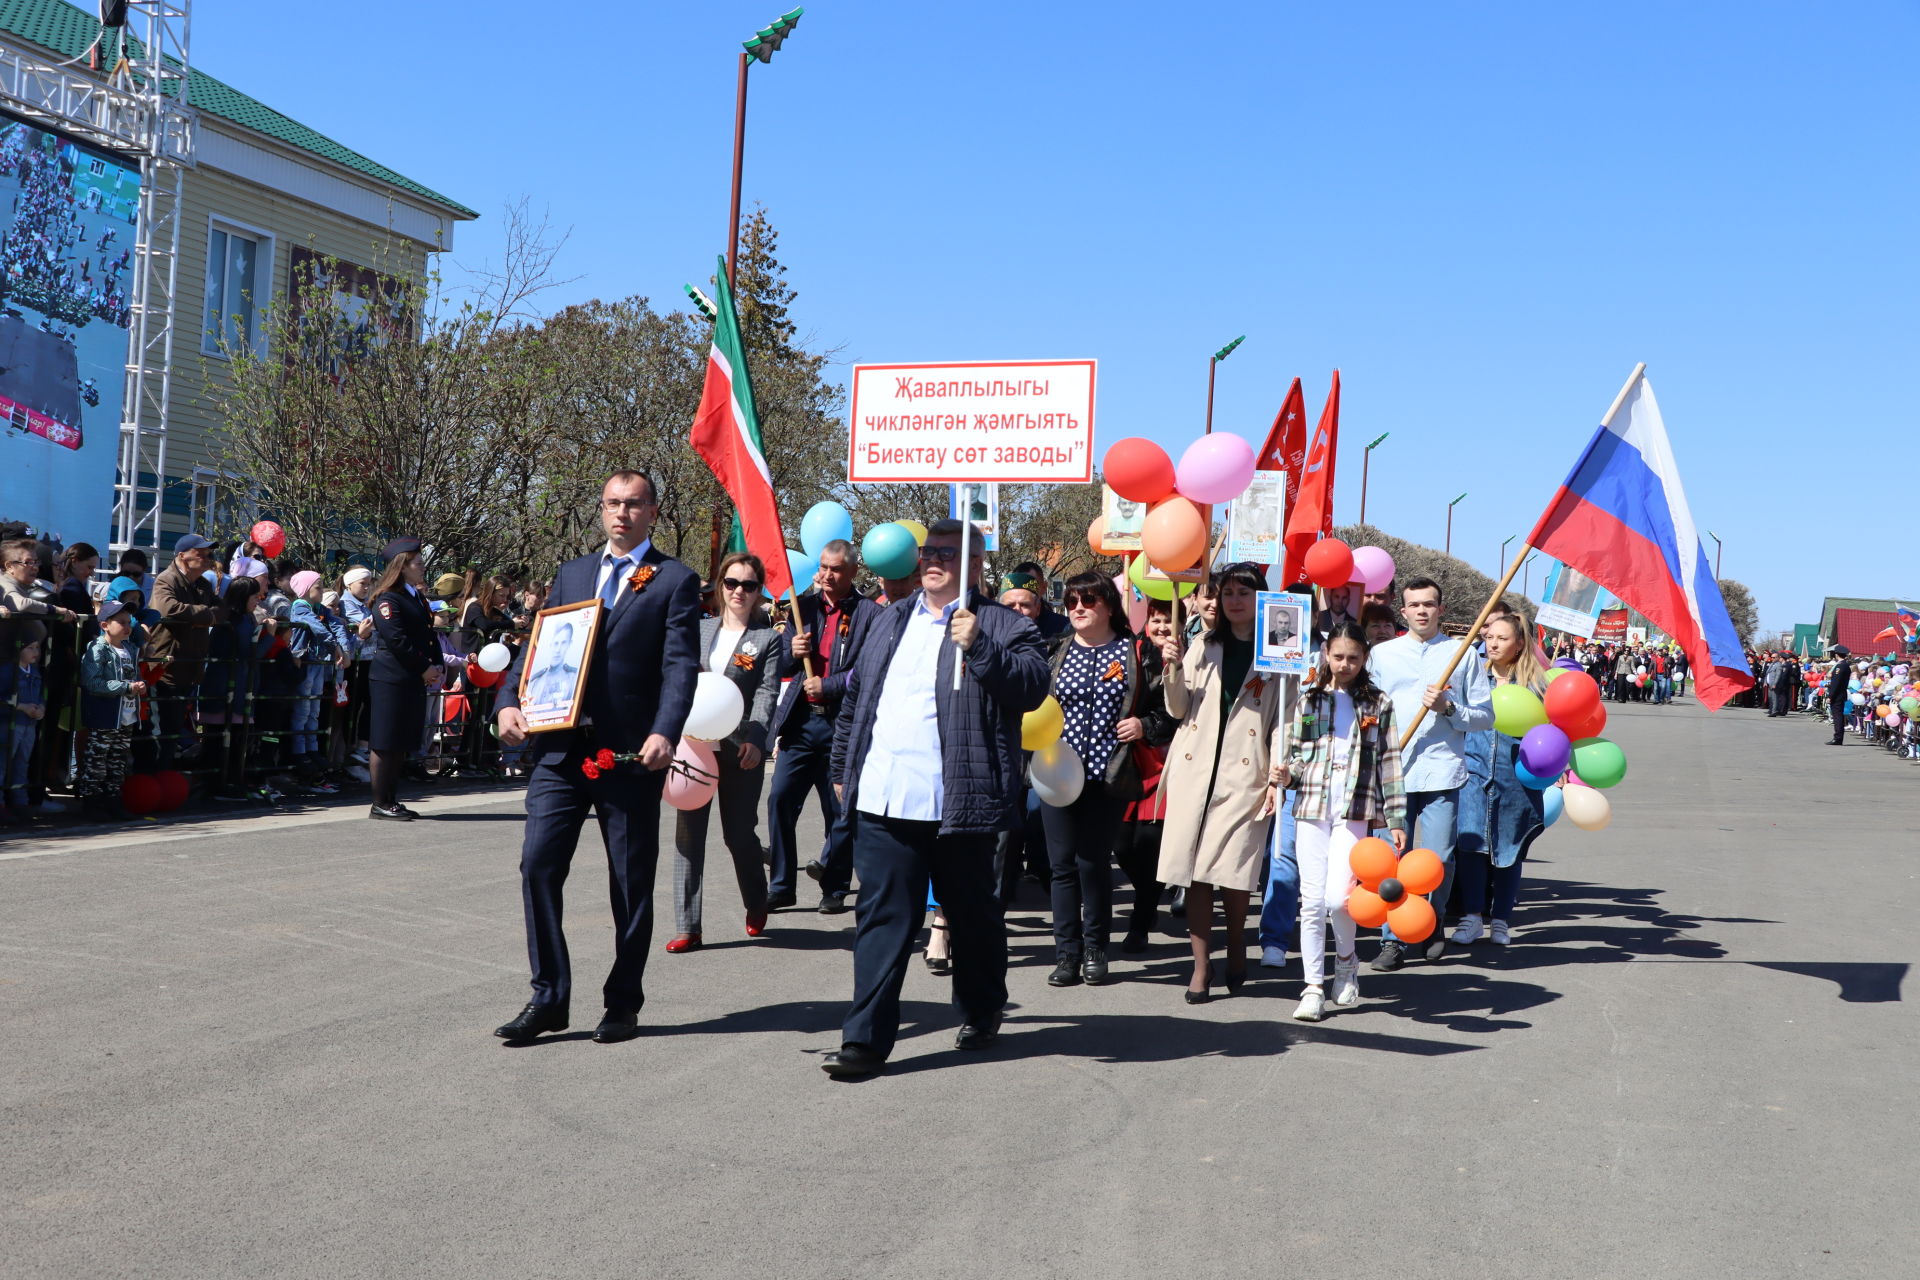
x=141 y=110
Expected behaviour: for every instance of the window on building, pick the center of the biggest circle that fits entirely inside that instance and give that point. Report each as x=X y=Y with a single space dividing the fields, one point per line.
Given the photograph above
x=239 y=277
x=220 y=504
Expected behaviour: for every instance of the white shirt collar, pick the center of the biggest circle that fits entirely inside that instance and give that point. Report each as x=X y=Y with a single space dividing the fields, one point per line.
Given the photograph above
x=635 y=556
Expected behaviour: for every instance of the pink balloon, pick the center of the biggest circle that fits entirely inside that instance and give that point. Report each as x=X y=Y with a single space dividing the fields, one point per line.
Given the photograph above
x=1215 y=468
x=1372 y=567
x=684 y=792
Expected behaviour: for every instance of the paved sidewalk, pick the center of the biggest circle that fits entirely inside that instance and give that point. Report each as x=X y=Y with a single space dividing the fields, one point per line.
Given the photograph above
x=237 y=1048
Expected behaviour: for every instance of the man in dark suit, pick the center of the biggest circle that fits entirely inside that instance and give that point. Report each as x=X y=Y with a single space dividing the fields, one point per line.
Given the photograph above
x=931 y=773
x=803 y=722
x=640 y=678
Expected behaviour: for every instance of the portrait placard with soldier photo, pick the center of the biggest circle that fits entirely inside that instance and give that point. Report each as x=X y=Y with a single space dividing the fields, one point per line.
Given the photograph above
x=555 y=674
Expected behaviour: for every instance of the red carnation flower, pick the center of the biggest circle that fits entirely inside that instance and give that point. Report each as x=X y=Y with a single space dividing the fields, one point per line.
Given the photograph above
x=605 y=759
x=589 y=768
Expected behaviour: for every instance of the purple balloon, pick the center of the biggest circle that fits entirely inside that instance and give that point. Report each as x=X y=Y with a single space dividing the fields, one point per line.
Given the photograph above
x=1545 y=751
x=1568 y=664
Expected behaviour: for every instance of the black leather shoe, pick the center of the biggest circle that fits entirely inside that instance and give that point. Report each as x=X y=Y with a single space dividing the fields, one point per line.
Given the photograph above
x=1065 y=974
x=816 y=870
x=1093 y=965
x=392 y=813
x=978 y=1035
x=616 y=1027
x=834 y=904
x=853 y=1062
x=781 y=901
x=533 y=1020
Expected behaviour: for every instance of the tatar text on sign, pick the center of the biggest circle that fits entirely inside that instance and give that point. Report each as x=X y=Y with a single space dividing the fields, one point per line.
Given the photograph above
x=1012 y=421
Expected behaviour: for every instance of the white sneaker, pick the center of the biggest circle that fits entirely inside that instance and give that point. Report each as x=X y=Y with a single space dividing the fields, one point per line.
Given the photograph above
x=1499 y=935
x=1470 y=930
x=1346 y=983
x=1312 y=1006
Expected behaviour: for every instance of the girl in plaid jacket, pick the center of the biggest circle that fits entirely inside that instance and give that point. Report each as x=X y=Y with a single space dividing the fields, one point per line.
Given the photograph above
x=1344 y=759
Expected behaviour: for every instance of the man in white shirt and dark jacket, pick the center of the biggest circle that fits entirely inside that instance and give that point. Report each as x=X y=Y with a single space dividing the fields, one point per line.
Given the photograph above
x=931 y=774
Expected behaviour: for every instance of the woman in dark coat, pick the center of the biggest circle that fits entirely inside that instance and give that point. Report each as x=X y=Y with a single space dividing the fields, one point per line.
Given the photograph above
x=403 y=669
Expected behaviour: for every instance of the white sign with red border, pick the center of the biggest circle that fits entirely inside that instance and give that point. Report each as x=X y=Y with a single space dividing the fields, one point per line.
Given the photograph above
x=1007 y=421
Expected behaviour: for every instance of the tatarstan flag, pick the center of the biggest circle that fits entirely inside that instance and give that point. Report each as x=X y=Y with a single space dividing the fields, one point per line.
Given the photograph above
x=727 y=434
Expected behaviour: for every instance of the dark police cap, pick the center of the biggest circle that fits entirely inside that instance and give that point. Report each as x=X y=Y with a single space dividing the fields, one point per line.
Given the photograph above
x=401 y=547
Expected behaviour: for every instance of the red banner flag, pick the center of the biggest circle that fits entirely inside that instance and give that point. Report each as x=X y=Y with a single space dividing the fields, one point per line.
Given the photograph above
x=1312 y=515
x=1286 y=446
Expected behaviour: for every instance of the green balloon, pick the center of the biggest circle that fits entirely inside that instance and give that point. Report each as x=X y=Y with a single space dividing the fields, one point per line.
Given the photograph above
x=1599 y=763
x=1154 y=588
x=1554 y=673
x=1909 y=705
x=1517 y=709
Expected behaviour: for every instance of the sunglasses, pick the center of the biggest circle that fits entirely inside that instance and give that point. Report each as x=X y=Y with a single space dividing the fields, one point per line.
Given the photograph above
x=944 y=555
x=1074 y=600
x=736 y=584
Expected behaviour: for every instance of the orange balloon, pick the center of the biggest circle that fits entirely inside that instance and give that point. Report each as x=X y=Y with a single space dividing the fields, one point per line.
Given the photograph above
x=1372 y=860
x=1422 y=871
x=1174 y=534
x=1412 y=920
x=1095 y=532
x=1366 y=908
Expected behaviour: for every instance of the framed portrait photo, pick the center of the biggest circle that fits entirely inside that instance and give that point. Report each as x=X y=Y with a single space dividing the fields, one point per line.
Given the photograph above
x=1283 y=643
x=553 y=680
x=1124 y=519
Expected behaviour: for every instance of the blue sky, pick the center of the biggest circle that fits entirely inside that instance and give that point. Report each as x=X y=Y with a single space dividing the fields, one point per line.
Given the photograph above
x=1482 y=214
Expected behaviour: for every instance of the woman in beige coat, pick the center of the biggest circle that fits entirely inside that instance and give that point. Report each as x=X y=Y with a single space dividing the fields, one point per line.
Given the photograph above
x=1216 y=776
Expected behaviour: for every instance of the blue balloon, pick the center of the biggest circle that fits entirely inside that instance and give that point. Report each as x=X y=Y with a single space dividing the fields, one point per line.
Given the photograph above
x=889 y=550
x=824 y=522
x=802 y=567
x=1555 y=802
x=1529 y=779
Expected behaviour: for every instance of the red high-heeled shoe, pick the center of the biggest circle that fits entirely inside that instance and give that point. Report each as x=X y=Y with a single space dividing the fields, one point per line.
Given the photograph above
x=756 y=923
x=685 y=942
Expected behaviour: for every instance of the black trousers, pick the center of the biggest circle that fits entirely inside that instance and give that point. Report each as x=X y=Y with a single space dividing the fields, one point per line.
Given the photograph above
x=1840 y=709
x=738 y=798
x=1137 y=850
x=805 y=764
x=626 y=803
x=1080 y=856
x=895 y=860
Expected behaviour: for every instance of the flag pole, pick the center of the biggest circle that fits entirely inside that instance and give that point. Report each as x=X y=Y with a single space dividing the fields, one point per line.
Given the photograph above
x=1486 y=610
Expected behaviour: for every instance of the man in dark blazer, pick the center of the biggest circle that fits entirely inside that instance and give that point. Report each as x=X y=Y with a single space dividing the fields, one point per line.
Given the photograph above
x=640 y=678
x=803 y=722
x=932 y=774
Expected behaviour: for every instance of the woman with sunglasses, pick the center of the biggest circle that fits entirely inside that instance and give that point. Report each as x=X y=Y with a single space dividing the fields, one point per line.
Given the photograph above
x=739 y=642
x=1216 y=777
x=1096 y=679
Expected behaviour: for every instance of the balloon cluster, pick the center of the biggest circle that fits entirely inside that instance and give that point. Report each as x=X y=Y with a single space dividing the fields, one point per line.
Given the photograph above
x=1214 y=468
x=1391 y=889
x=1559 y=735
x=1057 y=773
x=1887 y=695
x=489 y=666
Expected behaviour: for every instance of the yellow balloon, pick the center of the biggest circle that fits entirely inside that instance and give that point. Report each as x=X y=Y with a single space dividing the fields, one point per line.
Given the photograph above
x=918 y=530
x=1041 y=727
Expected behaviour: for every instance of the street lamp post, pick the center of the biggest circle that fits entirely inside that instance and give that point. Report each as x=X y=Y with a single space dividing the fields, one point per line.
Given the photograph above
x=1212 y=361
x=1717 y=549
x=1365 y=456
x=1526 y=577
x=1503 y=556
x=1450 y=507
x=765 y=43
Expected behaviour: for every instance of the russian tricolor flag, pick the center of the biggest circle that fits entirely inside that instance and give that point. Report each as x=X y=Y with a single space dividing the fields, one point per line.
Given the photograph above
x=1622 y=519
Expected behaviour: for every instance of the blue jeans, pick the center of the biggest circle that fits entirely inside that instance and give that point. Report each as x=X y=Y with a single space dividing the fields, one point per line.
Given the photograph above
x=1662 y=687
x=19 y=755
x=1280 y=909
x=1434 y=817
x=306 y=707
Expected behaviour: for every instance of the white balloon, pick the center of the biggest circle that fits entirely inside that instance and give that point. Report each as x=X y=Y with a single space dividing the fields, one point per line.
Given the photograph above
x=717 y=708
x=1587 y=808
x=495 y=657
x=1057 y=774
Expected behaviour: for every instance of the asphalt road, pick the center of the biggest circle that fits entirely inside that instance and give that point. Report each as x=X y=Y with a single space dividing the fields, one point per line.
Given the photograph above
x=260 y=1047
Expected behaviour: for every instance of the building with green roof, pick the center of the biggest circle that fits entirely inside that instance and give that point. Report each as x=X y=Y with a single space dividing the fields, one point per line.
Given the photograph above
x=262 y=194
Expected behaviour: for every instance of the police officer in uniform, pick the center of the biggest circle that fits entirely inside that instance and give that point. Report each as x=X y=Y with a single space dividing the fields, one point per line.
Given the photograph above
x=402 y=669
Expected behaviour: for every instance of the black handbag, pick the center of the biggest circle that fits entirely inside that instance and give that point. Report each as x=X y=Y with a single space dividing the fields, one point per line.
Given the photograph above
x=1122 y=775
